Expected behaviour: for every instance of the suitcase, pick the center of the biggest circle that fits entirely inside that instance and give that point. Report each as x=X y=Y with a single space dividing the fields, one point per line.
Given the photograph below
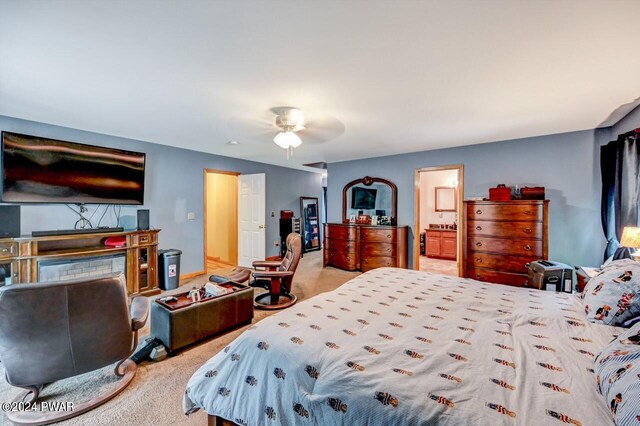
x=532 y=193
x=500 y=193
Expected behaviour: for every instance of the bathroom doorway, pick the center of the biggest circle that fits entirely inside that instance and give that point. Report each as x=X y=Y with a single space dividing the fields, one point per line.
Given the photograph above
x=439 y=194
x=220 y=220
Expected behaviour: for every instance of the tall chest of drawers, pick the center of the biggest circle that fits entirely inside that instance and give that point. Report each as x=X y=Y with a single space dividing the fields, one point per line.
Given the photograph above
x=363 y=247
x=501 y=237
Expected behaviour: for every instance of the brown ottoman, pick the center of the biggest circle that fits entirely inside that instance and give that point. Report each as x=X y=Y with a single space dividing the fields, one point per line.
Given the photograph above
x=182 y=323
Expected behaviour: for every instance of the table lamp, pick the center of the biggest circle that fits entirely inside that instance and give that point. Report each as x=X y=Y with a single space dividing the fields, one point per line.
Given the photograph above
x=631 y=239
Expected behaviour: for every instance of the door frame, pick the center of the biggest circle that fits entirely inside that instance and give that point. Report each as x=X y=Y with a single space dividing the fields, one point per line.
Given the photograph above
x=416 y=212
x=204 y=207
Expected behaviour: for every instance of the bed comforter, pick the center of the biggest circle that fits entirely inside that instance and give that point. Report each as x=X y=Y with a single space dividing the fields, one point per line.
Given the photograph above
x=401 y=347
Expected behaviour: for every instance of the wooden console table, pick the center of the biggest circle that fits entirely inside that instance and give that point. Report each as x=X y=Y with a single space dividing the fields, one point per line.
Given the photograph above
x=20 y=256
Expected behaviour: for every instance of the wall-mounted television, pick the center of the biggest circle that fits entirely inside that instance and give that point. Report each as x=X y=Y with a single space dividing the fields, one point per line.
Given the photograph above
x=42 y=170
x=363 y=198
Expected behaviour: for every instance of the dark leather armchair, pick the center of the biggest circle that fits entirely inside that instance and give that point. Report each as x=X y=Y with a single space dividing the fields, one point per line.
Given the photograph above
x=52 y=331
x=276 y=276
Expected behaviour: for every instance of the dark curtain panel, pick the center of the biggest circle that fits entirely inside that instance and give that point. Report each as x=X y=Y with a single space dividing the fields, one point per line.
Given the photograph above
x=619 y=164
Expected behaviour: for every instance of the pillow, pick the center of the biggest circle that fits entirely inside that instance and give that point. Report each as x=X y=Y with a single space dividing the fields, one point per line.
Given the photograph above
x=613 y=296
x=617 y=368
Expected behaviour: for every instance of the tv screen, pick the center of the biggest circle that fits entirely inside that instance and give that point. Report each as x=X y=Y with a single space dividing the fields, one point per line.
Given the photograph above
x=363 y=198
x=41 y=170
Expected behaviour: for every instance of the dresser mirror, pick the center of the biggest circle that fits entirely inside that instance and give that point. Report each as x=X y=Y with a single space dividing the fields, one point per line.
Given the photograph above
x=445 y=199
x=370 y=200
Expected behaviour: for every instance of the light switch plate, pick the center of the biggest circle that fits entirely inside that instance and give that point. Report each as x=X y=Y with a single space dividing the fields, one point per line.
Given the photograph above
x=191 y=216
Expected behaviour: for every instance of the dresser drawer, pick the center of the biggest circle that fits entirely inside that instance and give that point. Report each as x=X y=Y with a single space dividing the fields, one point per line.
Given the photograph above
x=505 y=229
x=373 y=262
x=378 y=249
x=507 y=211
x=8 y=249
x=342 y=260
x=378 y=235
x=341 y=232
x=491 y=276
x=506 y=246
x=499 y=262
x=341 y=245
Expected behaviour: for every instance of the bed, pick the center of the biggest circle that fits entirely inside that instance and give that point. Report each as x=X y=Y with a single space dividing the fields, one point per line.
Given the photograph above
x=402 y=347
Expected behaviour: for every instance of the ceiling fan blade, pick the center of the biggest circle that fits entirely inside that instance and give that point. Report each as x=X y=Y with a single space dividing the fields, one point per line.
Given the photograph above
x=321 y=128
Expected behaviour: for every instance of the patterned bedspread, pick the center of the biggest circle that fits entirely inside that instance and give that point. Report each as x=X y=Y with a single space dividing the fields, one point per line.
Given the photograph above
x=401 y=347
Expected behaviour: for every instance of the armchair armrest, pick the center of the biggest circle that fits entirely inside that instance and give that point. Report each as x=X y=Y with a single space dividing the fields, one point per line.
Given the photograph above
x=267 y=263
x=139 y=312
x=272 y=274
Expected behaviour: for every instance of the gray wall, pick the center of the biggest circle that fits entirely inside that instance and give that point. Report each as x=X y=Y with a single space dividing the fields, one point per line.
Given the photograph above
x=630 y=122
x=174 y=186
x=565 y=164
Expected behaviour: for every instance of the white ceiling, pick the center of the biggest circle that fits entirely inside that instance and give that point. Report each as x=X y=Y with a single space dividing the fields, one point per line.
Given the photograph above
x=383 y=77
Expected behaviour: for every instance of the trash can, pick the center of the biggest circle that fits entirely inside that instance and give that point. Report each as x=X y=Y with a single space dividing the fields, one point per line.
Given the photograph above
x=169 y=265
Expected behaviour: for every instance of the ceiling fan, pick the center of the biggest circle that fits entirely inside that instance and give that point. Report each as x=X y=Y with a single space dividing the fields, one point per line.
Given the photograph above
x=290 y=120
x=288 y=127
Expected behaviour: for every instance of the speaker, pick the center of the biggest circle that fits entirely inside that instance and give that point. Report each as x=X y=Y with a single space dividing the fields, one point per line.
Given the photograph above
x=143 y=220
x=9 y=221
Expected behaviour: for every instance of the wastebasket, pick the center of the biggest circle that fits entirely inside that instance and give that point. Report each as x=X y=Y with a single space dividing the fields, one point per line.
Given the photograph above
x=169 y=265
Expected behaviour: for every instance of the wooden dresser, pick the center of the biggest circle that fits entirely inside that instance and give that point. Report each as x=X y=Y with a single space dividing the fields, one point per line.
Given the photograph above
x=442 y=243
x=502 y=237
x=364 y=247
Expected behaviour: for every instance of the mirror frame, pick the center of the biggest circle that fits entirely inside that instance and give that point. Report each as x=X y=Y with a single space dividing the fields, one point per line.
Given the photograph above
x=302 y=221
x=368 y=181
x=455 y=199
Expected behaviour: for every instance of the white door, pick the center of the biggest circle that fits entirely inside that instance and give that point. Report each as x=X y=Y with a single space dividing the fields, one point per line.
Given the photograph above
x=251 y=218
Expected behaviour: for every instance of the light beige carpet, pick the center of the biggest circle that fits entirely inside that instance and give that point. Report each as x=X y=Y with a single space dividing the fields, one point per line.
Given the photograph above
x=155 y=395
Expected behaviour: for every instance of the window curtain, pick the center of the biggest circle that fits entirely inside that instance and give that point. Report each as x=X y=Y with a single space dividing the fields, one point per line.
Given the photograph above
x=620 y=167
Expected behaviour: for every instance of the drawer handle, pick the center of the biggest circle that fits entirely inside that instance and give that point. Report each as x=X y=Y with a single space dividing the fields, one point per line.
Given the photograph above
x=347 y=245
x=388 y=235
x=366 y=261
x=527 y=212
x=527 y=247
x=527 y=230
x=478 y=211
x=478 y=244
x=478 y=260
x=478 y=276
x=389 y=250
x=4 y=250
x=526 y=283
x=478 y=228
x=348 y=259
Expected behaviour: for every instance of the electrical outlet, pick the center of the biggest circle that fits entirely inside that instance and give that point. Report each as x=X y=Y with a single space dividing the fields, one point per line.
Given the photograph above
x=273 y=214
x=191 y=216
x=276 y=243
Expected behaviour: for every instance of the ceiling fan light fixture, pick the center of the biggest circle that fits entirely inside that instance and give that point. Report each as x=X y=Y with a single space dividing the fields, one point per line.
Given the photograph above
x=286 y=140
x=289 y=120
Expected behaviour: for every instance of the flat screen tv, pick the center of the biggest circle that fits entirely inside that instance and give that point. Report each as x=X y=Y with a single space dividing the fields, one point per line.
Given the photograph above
x=41 y=170
x=363 y=198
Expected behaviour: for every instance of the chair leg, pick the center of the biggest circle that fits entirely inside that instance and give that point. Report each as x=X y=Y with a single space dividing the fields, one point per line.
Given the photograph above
x=117 y=370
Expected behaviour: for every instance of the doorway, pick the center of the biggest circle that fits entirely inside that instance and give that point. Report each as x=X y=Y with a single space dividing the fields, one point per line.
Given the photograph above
x=220 y=220
x=439 y=195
